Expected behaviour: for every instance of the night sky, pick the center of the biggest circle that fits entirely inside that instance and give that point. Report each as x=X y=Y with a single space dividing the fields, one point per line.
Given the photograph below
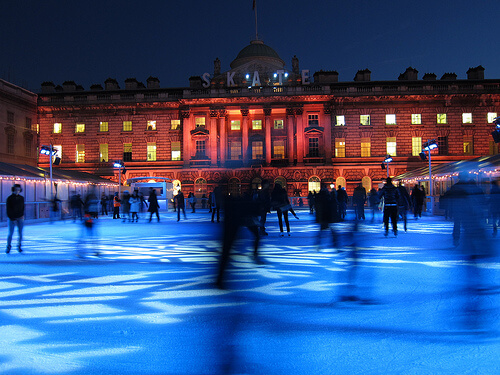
x=90 y=41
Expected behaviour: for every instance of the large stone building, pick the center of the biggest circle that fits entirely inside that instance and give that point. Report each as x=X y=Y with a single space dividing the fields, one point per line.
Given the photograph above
x=18 y=119
x=260 y=120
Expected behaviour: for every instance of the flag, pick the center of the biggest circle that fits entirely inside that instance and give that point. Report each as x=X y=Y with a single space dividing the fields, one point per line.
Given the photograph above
x=253 y=7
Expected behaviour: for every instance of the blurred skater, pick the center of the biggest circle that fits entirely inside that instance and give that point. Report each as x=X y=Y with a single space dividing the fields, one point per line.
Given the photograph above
x=359 y=199
x=280 y=202
x=404 y=204
x=135 y=203
x=125 y=206
x=181 y=205
x=15 y=213
x=390 y=194
x=327 y=212
x=374 y=200
x=116 y=206
x=153 y=204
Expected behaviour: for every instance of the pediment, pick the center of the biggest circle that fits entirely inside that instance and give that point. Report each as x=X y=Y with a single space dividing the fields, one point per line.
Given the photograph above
x=310 y=130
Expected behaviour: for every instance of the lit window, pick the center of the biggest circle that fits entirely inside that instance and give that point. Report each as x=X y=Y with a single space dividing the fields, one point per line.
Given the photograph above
x=57 y=127
x=416 y=119
x=390 y=119
x=80 y=153
x=466 y=118
x=103 y=126
x=256 y=124
x=235 y=150
x=80 y=128
x=364 y=119
x=279 y=149
x=416 y=146
x=127 y=152
x=314 y=184
x=151 y=125
x=278 y=124
x=235 y=125
x=175 y=124
x=199 y=122
x=313 y=147
x=176 y=149
x=366 y=147
x=151 y=152
x=391 y=146
x=127 y=126
x=441 y=118
x=468 y=146
x=257 y=150
x=340 y=148
x=200 y=149
x=313 y=120
x=491 y=117
x=340 y=120
x=103 y=152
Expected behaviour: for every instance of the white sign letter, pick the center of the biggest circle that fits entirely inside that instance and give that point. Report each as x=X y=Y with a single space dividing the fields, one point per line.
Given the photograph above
x=280 y=76
x=256 y=79
x=206 y=80
x=230 y=80
x=305 y=77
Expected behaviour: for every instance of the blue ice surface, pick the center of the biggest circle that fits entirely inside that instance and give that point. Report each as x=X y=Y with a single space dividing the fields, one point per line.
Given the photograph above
x=148 y=304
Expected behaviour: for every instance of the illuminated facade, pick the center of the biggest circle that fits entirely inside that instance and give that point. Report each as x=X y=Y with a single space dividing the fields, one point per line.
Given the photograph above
x=18 y=116
x=260 y=120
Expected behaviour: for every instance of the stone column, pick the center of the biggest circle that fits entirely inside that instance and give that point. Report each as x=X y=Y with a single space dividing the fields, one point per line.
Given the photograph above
x=300 y=135
x=268 y=127
x=244 y=136
x=222 y=138
x=213 y=137
x=290 y=125
x=326 y=122
x=186 y=136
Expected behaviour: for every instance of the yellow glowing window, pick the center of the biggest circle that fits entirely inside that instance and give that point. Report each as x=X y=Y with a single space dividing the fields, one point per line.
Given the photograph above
x=468 y=146
x=256 y=124
x=416 y=146
x=80 y=153
x=278 y=124
x=57 y=127
x=279 y=149
x=235 y=150
x=366 y=147
x=103 y=152
x=175 y=124
x=416 y=119
x=364 y=120
x=257 y=150
x=235 y=125
x=103 y=126
x=491 y=117
x=80 y=128
x=200 y=122
x=151 y=125
x=340 y=120
x=151 y=151
x=391 y=146
x=466 y=118
x=176 y=150
x=340 y=148
x=127 y=126
x=390 y=119
x=441 y=118
x=58 y=150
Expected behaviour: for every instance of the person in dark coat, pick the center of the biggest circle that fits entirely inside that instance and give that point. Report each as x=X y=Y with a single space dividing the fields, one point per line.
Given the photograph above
x=181 y=205
x=374 y=200
x=342 y=201
x=216 y=198
x=126 y=206
x=76 y=205
x=327 y=212
x=390 y=194
x=263 y=200
x=280 y=202
x=359 y=199
x=417 y=199
x=310 y=201
x=104 y=204
x=15 y=213
x=153 y=204
x=404 y=203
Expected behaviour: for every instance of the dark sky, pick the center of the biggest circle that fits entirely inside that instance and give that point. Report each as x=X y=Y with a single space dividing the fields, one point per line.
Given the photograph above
x=90 y=41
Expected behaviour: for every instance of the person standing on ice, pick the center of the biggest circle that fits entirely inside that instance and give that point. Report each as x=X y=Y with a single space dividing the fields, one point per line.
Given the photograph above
x=135 y=203
x=181 y=205
x=390 y=194
x=404 y=203
x=153 y=205
x=15 y=213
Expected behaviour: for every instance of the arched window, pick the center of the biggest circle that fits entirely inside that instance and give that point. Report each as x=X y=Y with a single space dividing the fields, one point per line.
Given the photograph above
x=200 y=187
x=234 y=186
x=367 y=183
x=176 y=186
x=280 y=180
x=340 y=181
x=314 y=184
x=257 y=183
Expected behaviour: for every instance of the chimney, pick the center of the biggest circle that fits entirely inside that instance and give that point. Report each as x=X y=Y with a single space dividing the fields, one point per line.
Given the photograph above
x=96 y=87
x=153 y=83
x=195 y=82
x=475 y=73
x=131 y=84
x=449 y=77
x=48 y=87
x=429 y=77
x=111 y=84
x=69 y=86
x=331 y=76
x=362 y=75
x=410 y=74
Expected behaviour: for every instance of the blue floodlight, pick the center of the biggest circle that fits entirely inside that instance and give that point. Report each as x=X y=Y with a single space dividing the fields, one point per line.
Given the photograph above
x=118 y=164
x=247 y=76
x=286 y=74
x=430 y=145
x=45 y=150
x=388 y=159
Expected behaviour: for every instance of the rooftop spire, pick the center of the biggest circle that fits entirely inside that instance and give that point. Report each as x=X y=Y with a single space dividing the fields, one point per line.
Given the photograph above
x=254 y=7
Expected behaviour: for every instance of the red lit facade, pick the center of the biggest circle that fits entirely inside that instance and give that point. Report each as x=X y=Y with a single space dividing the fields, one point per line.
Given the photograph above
x=259 y=120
